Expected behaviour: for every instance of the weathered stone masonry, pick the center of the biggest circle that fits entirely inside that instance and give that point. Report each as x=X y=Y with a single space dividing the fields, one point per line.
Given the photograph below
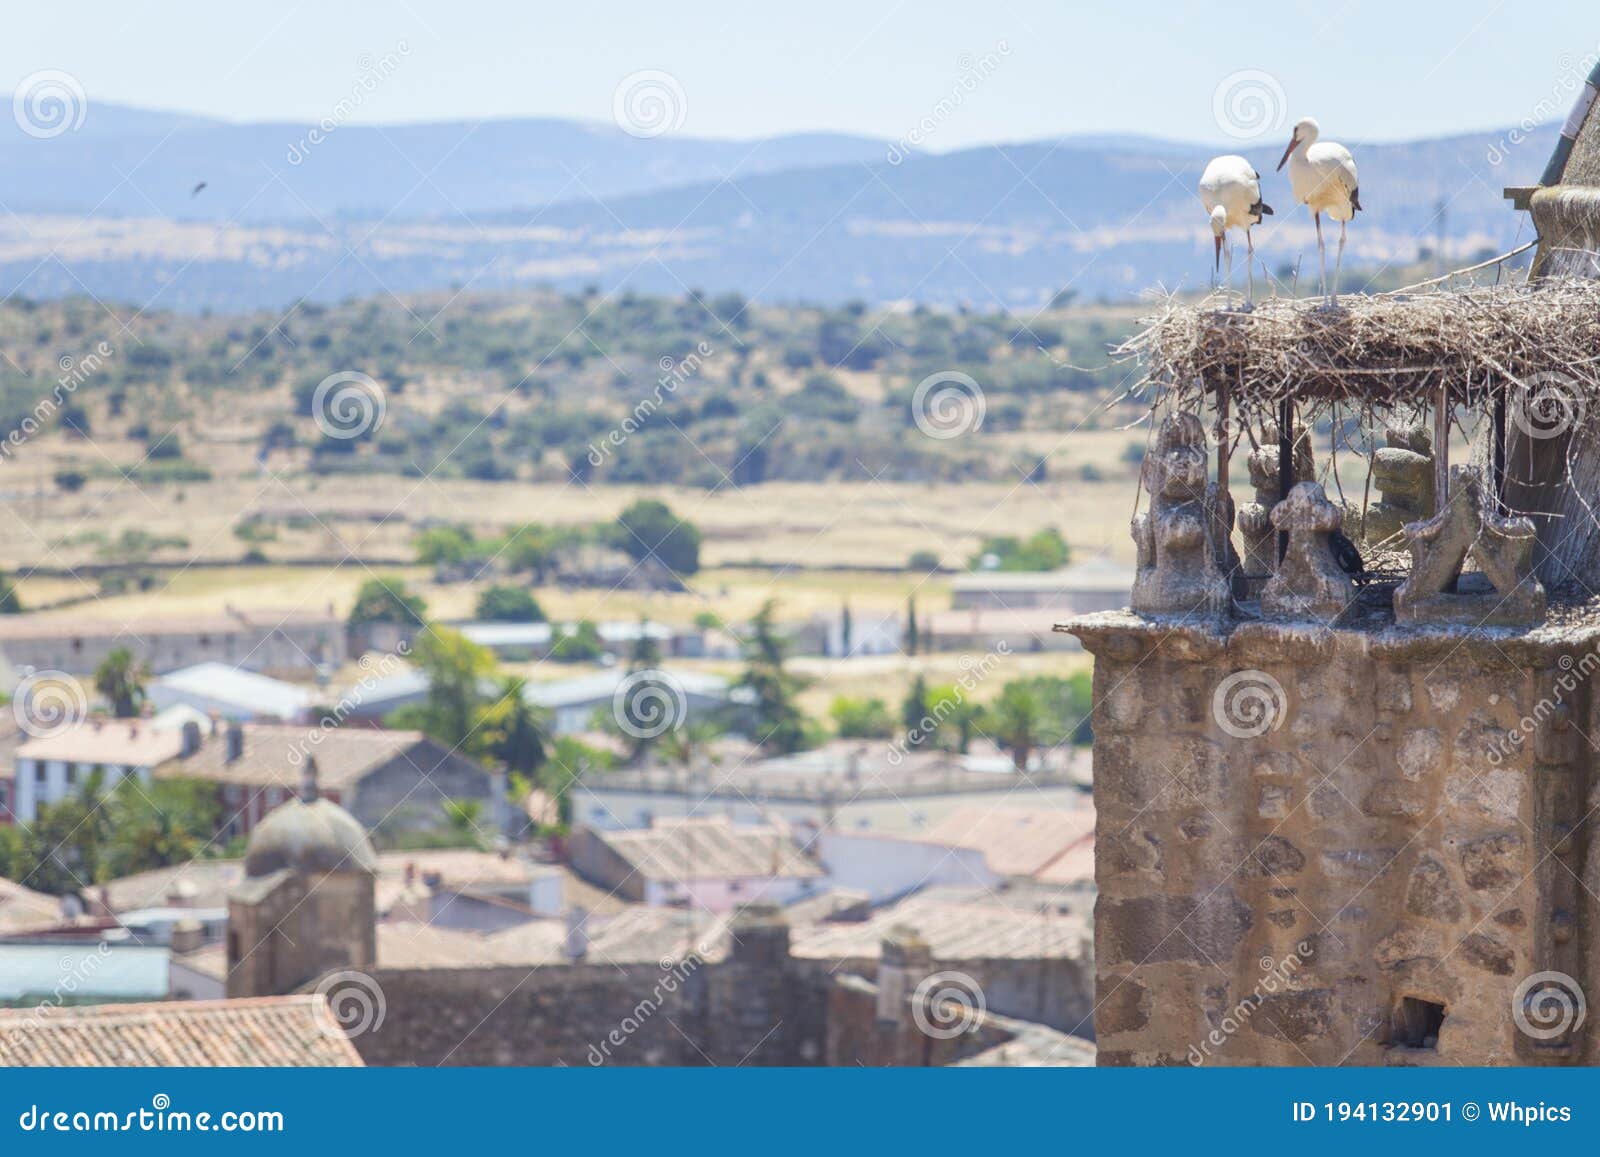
x=1403 y=840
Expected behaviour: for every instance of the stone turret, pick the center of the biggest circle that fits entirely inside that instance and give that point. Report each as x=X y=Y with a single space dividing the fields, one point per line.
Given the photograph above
x=307 y=904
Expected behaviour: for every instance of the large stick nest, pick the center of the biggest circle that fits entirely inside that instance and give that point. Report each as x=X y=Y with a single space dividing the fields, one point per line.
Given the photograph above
x=1379 y=352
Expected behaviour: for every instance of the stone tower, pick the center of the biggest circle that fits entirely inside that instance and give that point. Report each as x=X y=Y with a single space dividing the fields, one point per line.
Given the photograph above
x=1339 y=833
x=306 y=905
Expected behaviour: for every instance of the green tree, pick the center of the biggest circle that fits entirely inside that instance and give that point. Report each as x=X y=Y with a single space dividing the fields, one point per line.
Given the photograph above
x=121 y=679
x=915 y=712
x=1019 y=721
x=63 y=849
x=515 y=730
x=960 y=719
x=913 y=636
x=580 y=644
x=1046 y=550
x=647 y=528
x=645 y=654
x=861 y=718
x=502 y=604
x=386 y=600
x=780 y=724
x=10 y=601
x=154 y=825
x=457 y=669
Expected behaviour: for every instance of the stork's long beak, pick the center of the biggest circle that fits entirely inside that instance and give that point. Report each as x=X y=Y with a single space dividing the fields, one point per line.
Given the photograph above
x=1293 y=141
x=1216 y=265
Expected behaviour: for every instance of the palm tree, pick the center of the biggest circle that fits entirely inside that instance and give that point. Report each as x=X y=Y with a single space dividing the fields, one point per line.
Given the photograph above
x=121 y=679
x=1019 y=717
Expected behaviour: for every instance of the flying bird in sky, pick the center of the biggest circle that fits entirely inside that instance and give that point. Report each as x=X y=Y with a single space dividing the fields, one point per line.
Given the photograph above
x=1323 y=178
x=195 y=192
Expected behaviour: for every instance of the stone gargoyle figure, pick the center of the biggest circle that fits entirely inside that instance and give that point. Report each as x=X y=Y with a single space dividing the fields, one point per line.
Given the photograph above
x=1309 y=583
x=1255 y=518
x=1183 y=550
x=1403 y=471
x=1502 y=548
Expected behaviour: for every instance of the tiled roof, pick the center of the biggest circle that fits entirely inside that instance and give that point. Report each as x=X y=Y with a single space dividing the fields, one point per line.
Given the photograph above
x=273 y=753
x=677 y=850
x=127 y=742
x=276 y=1031
x=1016 y=841
x=636 y=935
x=962 y=924
x=24 y=910
x=199 y=883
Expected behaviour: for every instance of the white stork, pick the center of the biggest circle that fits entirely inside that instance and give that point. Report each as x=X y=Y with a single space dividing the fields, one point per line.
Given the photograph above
x=1323 y=178
x=1230 y=190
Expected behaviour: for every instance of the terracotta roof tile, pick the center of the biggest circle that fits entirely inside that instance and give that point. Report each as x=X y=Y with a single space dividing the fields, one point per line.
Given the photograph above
x=272 y=755
x=710 y=849
x=24 y=910
x=274 y=1031
x=1016 y=841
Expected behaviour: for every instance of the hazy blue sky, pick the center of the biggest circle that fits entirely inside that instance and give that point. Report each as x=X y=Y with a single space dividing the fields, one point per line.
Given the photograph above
x=1367 y=68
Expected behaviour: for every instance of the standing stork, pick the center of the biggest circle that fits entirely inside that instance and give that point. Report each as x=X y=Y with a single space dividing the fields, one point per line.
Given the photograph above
x=1230 y=190
x=1323 y=178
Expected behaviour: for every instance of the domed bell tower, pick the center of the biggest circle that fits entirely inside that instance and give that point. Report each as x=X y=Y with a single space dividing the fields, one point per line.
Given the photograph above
x=306 y=905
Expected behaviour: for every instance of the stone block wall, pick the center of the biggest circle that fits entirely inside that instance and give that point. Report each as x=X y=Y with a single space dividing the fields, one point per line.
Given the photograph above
x=1340 y=846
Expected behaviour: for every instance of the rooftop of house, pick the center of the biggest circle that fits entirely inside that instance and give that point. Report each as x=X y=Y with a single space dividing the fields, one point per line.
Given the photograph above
x=273 y=1031
x=24 y=910
x=602 y=685
x=498 y=634
x=272 y=753
x=74 y=624
x=634 y=934
x=196 y=884
x=681 y=850
x=113 y=742
x=850 y=769
x=1017 y=841
x=963 y=924
x=224 y=683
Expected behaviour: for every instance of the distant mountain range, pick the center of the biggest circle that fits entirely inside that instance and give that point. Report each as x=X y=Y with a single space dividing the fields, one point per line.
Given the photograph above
x=110 y=208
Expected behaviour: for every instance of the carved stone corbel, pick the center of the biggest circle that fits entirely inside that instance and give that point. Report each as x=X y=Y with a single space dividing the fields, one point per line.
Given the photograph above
x=1308 y=583
x=1183 y=557
x=1468 y=528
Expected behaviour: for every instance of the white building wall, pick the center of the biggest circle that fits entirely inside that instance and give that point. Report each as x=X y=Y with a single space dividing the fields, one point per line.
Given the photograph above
x=888 y=866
